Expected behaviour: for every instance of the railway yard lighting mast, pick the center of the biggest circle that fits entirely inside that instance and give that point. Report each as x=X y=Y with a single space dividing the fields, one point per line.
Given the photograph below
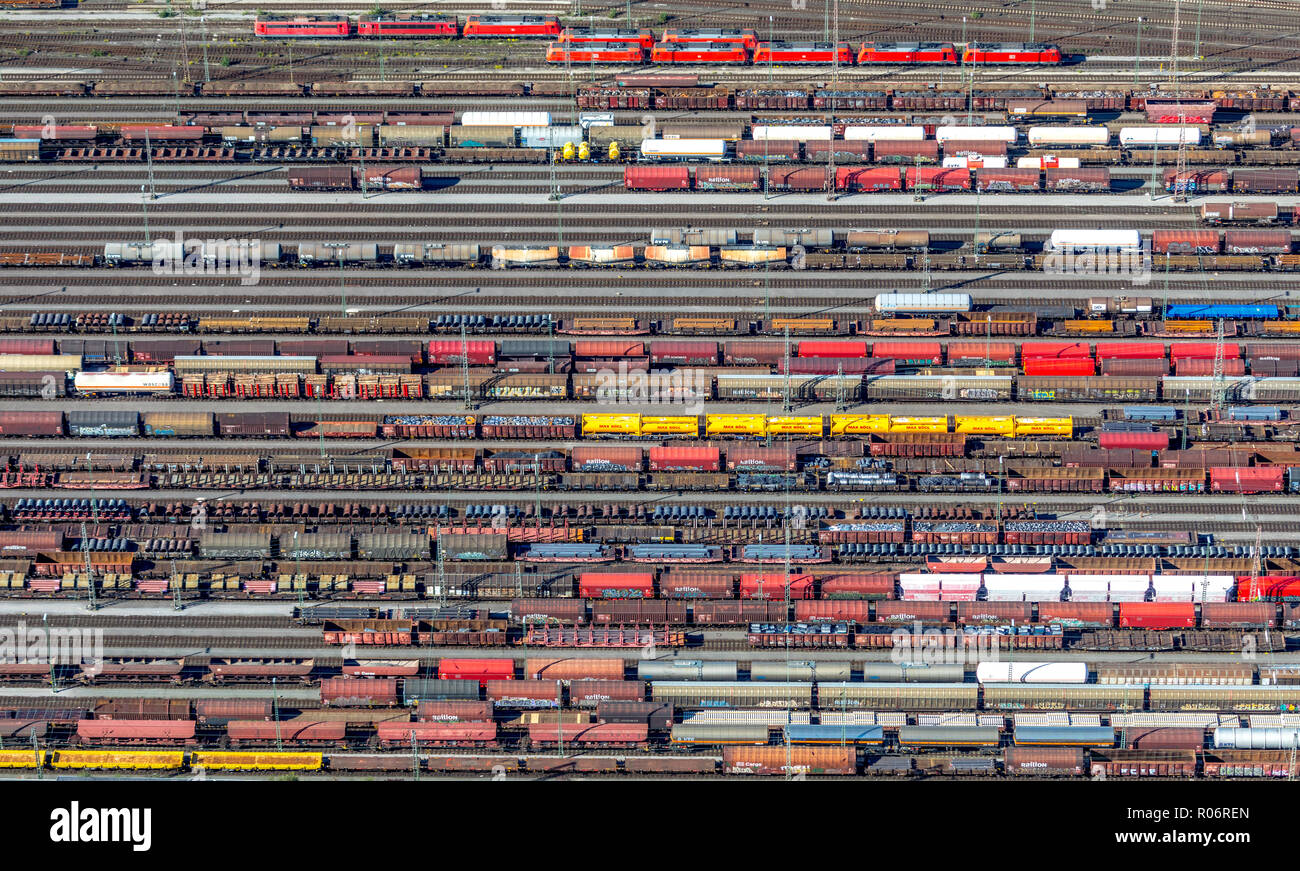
x=1180 y=168
x=1137 y=55
x=830 y=103
x=207 y=75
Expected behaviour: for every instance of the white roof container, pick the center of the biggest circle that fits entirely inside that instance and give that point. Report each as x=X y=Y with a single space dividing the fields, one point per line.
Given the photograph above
x=892 y=132
x=1085 y=240
x=1032 y=672
x=549 y=137
x=505 y=119
x=1173 y=588
x=1023 y=588
x=976 y=134
x=1069 y=134
x=126 y=382
x=1089 y=588
x=981 y=162
x=923 y=302
x=1170 y=134
x=1047 y=162
x=795 y=132
x=708 y=149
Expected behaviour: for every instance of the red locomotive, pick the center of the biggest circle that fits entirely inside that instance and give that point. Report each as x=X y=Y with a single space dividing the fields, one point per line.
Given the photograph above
x=1011 y=53
x=907 y=53
x=714 y=35
x=311 y=26
x=609 y=35
x=691 y=53
x=496 y=26
x=595 y=52
x=417 y=24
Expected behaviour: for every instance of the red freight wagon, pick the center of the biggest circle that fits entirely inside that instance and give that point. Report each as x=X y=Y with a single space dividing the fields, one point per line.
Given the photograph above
x=1202 y=349
x=907 y=53
x=382 y=668
x=136 y=731
x=608 y=348
x=1005 y=180
x=574 y=669
x=994 y=613
x=908 y=612
x=803 y=178
x=526 y=693
x=671 y=459
x=455 y=711
x=1257 y=241
x=1011 y=53
x=408 y=24
x=1254 y=588
x=481 y=670
x=937 y=178
x=601 y=458
x=1165 y=738
x=60 y=132
x=858 y=587
x=331 y=26
x=904 y=151
x=399 y=734
x=1140 y=441
x=868 y=178
x=849 y=610
x=802 y=53
x=1077 y=615
x=291 y=731
x=615 y=585
x=656 y=178
x=684 y=353
x=1084 y=179
x=1157 y=615
x=977 y=352
x=748 y=38
x=832 y=349
x=1238 y=615
x=491 y=26
x=1185 y=241
x=589 y=693
x=1130 y=351
x=1237 y=479
x=697 y=585
x=31 y=423
x=837 y=366
x=454 y=352
x=1200 y=366
x=161 y=133
x=1134 y=368
x=764 y=586
x=690 y=53
x=975 y=148
x=602 y=734
x=761 y=458
x=913 y=353
x=357 y=692
x=1069 y=366
x=1054 y=350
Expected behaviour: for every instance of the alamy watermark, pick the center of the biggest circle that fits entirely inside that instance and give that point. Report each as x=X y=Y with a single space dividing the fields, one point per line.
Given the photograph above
x=918 y=647
x=686 y=388
x=242 y=257
x=20 y=643
x=1133 y=263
